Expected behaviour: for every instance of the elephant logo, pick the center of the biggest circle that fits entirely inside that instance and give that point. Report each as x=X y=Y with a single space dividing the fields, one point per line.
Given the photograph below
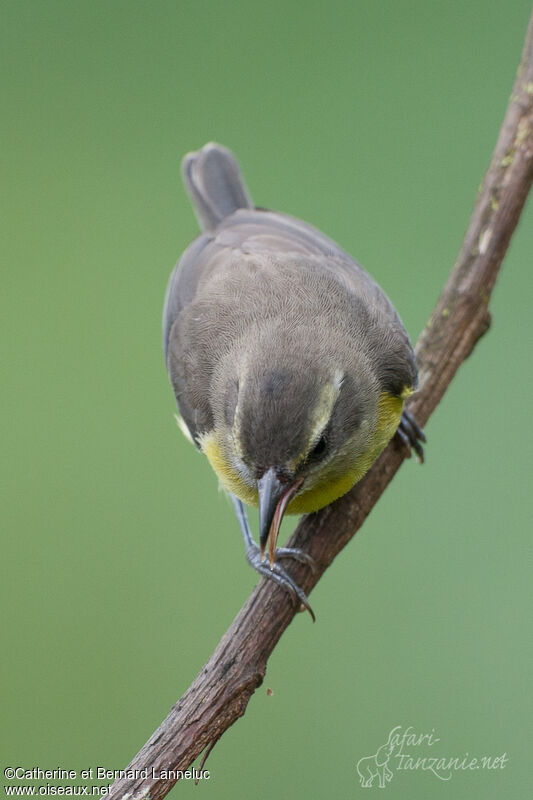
x=375 y=766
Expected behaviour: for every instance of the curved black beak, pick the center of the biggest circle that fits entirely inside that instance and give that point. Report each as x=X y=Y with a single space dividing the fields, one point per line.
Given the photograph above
x=271 y=490
x=274 y=497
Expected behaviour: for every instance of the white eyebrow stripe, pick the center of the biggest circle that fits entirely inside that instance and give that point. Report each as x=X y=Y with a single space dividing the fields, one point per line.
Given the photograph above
x=338 y=380
x=327 y=401
x=317 y=431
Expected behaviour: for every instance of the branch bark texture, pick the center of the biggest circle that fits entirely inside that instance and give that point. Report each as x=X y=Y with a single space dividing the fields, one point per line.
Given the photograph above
x=220 y=693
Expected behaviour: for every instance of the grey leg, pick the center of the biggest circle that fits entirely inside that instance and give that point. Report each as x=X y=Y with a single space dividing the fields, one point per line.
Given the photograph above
x=276 y=573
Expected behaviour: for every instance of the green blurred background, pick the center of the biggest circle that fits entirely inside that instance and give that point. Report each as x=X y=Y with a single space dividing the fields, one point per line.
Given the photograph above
x=123 y=564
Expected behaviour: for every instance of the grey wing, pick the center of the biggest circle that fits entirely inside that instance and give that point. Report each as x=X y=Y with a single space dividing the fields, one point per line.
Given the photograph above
x=181 y=289
x=182 y=286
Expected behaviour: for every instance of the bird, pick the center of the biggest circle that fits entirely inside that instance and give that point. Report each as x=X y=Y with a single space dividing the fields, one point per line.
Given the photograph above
x=289 y=364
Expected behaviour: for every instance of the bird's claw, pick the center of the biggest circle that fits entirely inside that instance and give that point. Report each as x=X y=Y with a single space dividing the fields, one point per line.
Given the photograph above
x=274 y=573
x=298 y=555
x=411 y=435
x=277 y=574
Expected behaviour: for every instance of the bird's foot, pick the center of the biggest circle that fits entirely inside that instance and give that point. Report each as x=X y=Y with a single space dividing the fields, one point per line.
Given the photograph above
x=277 y=574
x=298 y=555
x=274 y=573
x=411 y=435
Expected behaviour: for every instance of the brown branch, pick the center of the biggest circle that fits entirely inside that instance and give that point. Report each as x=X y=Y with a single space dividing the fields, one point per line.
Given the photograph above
x=221 y=692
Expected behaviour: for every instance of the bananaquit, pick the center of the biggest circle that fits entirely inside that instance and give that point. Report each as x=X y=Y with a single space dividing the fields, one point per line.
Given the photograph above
x=289 y=364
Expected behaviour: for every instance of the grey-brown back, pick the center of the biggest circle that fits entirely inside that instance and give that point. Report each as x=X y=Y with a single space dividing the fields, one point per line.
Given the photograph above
x=257 y=277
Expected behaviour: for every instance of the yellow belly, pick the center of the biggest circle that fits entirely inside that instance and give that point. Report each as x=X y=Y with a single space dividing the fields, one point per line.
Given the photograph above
x=332 y=485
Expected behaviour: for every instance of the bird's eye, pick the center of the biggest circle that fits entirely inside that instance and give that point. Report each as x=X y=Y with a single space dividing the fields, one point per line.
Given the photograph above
x=319 y=448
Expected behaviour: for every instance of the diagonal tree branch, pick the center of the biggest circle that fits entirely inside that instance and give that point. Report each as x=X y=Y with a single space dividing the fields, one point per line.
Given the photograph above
x=220 y=693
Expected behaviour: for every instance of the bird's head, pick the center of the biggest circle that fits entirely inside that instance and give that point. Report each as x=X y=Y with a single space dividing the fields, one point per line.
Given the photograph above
x=295 y=436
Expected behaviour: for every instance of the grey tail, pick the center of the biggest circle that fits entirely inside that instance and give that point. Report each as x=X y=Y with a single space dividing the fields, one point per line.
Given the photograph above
x=215 y=184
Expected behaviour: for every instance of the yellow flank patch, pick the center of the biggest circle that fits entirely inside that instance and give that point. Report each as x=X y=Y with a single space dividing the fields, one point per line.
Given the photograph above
x=332 y=485
x=324 y=493
x=229 y=477
x=390 y=412
x=407 y=391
